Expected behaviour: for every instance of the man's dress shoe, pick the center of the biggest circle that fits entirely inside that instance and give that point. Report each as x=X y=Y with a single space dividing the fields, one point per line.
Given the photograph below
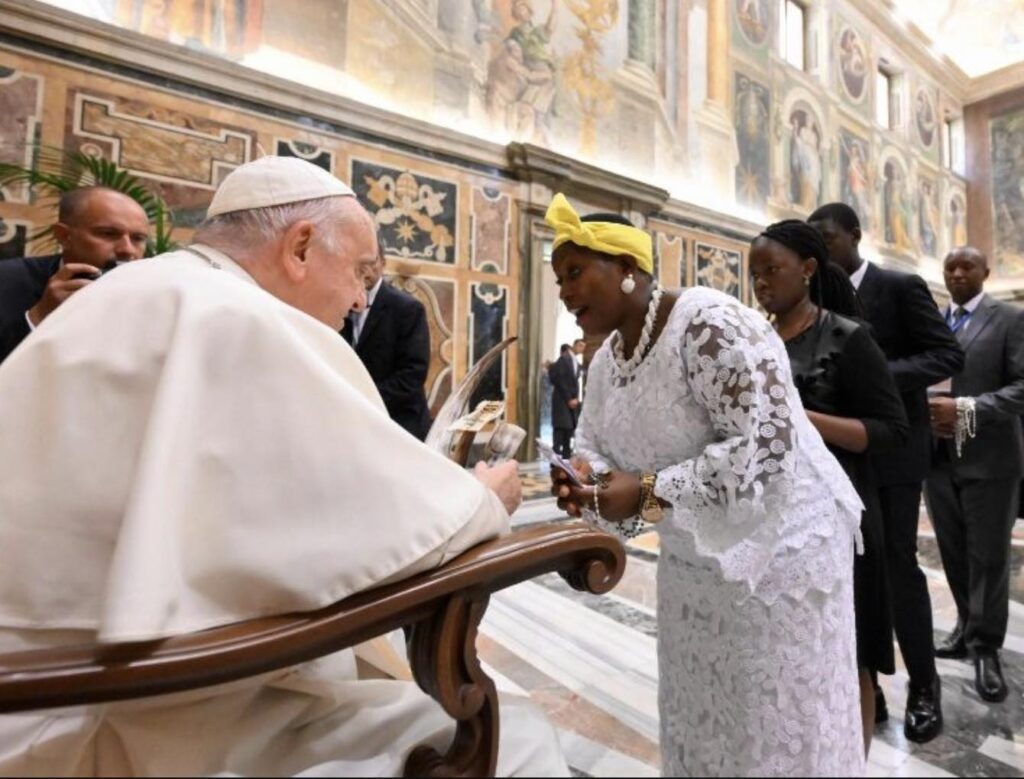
x=954 y=647
x=988 y=676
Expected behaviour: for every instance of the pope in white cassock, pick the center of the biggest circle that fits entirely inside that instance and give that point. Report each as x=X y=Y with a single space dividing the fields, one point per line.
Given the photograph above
x=188 y=444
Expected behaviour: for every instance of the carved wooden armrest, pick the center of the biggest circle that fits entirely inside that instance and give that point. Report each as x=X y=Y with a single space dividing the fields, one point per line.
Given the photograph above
x=443 y=609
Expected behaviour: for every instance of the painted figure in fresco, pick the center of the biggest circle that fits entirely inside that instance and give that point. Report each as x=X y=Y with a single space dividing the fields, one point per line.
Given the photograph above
x=957 y=223
x=853 y=63
x=218 y=25
x=925 y=116
x=753 y=19
x=856 y=188
x=804 y=160
x=895 y=207
x=928 y=219
x=752 y=139
x=1008 y=192
x=521 y=76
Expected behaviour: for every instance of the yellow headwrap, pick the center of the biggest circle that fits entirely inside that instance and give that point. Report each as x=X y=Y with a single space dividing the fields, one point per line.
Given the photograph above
x=605 y=237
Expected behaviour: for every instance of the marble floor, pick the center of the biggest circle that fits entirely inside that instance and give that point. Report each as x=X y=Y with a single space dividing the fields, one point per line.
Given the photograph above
x=590 y=663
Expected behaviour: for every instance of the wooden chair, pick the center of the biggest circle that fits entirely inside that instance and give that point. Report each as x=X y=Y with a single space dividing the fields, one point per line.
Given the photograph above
x=441 y=611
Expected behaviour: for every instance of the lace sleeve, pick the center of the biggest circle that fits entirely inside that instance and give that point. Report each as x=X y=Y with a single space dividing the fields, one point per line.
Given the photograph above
x=588 y=447
x=732 y=494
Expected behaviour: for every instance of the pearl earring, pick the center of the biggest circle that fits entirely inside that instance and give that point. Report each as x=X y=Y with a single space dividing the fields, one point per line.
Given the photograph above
x=628 y=285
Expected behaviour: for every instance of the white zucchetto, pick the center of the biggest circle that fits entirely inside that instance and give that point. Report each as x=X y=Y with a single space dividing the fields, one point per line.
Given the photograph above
x=274 y=181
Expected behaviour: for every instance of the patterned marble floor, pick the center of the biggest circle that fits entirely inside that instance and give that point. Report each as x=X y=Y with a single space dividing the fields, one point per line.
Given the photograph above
x=590 y=663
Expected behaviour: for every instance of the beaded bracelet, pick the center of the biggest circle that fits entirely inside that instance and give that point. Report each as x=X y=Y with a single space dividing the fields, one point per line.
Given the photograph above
x=966 y=423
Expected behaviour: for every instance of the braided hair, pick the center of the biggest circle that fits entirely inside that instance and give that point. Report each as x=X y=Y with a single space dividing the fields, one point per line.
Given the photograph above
x=830 y=287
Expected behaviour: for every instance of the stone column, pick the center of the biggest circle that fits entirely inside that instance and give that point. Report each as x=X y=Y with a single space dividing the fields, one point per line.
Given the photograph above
x=718 y=52
x=716 y=141
x=642 y=23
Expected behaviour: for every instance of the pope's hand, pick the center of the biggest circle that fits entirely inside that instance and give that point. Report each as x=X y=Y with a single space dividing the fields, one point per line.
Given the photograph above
x=60 y=287
x=503 y=481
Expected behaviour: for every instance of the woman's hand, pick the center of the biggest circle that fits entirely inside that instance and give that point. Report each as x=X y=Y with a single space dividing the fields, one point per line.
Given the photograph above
x=618 y=501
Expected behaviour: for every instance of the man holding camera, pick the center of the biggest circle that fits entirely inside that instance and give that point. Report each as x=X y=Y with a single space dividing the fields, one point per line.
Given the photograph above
x=97 y=228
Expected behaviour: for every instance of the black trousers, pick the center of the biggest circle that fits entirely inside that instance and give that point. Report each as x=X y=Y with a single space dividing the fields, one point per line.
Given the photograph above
x=563 y=441
x=911 y=605
x=974 y=521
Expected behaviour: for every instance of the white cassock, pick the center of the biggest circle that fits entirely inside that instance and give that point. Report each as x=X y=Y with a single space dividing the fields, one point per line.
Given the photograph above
x=180 y=450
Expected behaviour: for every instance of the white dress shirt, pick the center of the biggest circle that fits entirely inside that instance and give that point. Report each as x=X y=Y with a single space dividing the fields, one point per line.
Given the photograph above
x=858 y=275
x=359 y=318
x=970 y=307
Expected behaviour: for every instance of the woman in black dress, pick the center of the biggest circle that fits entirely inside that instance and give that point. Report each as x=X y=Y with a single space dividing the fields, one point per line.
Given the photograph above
x=850 y=398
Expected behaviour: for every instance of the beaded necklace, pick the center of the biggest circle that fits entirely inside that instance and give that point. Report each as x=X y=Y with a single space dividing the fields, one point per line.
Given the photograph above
x=625 y=369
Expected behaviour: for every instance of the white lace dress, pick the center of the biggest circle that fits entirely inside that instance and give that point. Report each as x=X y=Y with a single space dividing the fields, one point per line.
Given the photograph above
x=756 y=641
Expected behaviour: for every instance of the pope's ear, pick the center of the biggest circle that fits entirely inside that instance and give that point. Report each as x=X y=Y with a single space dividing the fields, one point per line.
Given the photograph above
x=295 y=249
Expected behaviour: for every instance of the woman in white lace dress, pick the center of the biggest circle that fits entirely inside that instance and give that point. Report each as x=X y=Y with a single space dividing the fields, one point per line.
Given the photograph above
x=690 y=407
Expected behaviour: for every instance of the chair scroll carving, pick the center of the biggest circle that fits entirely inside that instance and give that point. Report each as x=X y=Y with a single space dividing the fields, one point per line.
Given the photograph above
x=442 y=610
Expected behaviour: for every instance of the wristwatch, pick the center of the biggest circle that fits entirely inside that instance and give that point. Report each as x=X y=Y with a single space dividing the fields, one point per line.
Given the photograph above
x=650 y=509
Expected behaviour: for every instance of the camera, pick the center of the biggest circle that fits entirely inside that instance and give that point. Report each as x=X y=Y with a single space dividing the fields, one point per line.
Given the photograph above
x=100 y=272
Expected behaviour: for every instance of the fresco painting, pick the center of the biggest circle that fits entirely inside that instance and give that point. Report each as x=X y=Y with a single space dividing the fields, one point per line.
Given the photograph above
x=957 y=221
x=928 y=220
x=521 y=75
x=897 y=212
x=805 y=159
x=754 y=17
x=853 y=64
x=753 y=174
x=855 y=179
x=1007 y=193
x=924 y=118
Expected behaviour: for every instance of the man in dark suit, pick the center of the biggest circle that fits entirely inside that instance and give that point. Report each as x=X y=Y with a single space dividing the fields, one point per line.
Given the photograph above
x=392 y=338
x=973 y=490
x=921 y=351
x=565 y=399
x=96 y=228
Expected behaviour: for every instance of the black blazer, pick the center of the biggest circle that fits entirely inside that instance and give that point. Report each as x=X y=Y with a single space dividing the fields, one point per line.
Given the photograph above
x=994 y=376
x=22 y=282
x=921 y=351
x=395 y=348
x=565 y=386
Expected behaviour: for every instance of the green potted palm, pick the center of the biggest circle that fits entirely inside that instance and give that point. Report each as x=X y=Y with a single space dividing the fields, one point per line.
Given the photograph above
x=56 y=171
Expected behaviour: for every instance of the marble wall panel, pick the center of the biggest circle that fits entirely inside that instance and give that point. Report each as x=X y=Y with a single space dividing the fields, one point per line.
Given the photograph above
x=488 y=326
x=492 y=225
x=14 y=237
x=438 y=299
x=670 y=249
x=416 y=215
x=323 y=158
x=21 y=111
x=184 y=154
x=719 y=268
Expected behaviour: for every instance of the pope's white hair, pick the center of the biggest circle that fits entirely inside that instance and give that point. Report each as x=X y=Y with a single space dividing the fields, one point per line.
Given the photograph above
x=241 y=234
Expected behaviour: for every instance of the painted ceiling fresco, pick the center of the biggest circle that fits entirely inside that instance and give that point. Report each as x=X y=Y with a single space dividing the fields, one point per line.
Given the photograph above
x=979 y=35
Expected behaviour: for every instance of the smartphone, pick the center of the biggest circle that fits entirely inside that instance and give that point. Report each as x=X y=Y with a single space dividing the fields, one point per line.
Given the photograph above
x=557 y=460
